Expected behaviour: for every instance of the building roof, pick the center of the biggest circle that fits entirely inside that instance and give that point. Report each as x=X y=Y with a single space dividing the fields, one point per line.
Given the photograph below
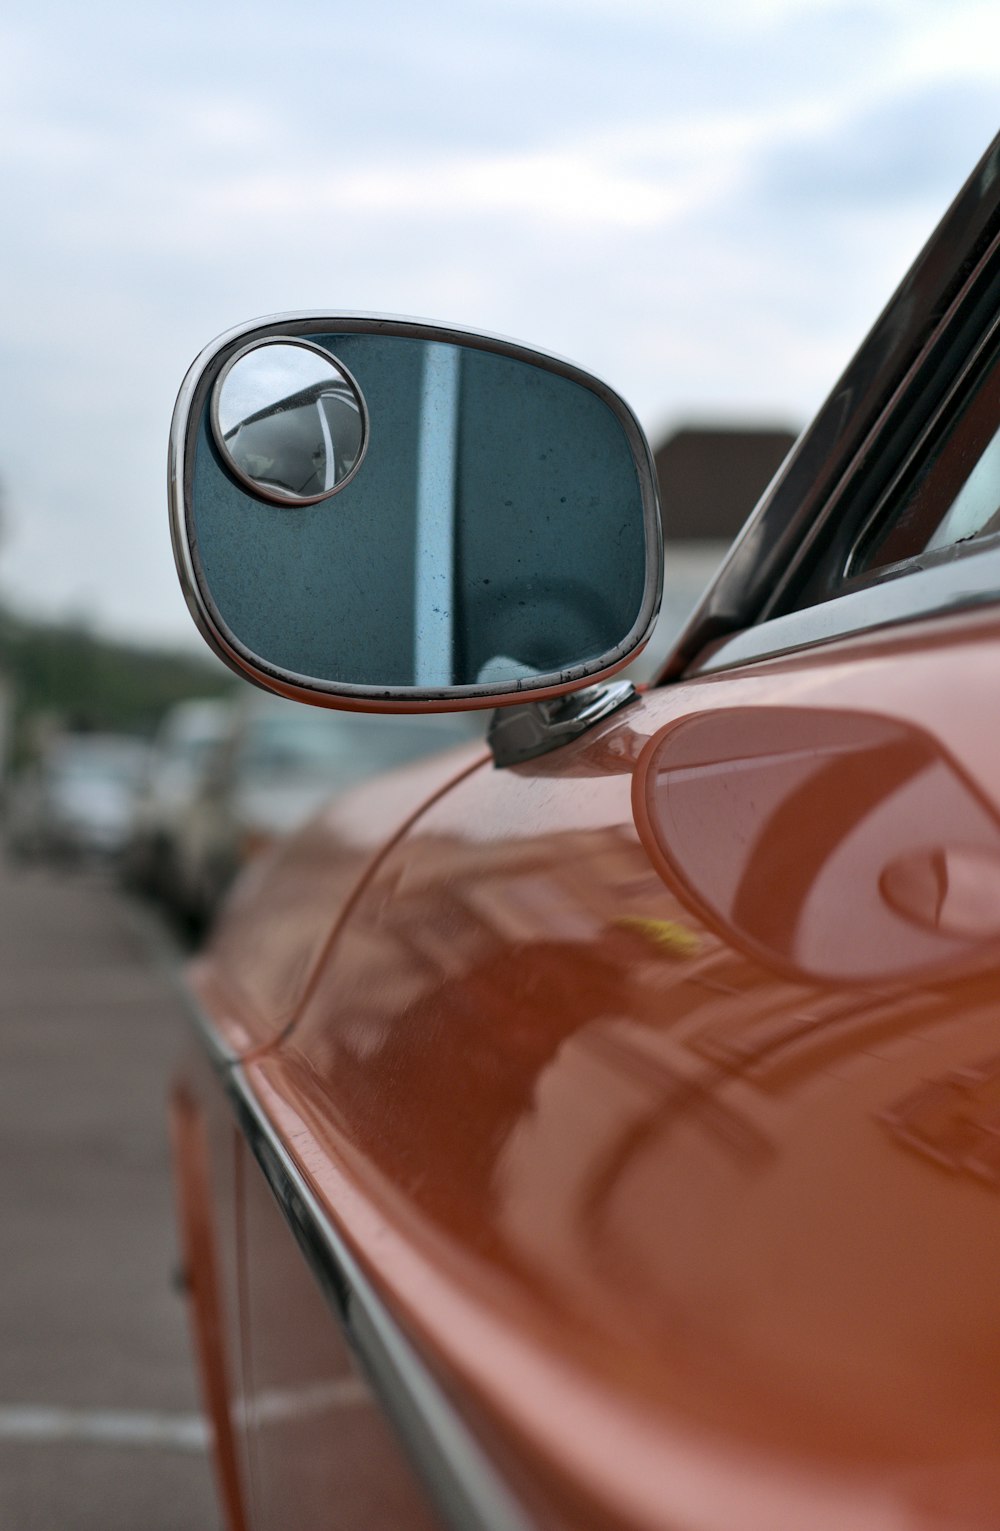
x=711 y=477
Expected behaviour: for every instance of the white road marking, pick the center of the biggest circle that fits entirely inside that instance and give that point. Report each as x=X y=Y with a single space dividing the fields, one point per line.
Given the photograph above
x=313 y=1398
x=103 y=1427
x=171 y=1432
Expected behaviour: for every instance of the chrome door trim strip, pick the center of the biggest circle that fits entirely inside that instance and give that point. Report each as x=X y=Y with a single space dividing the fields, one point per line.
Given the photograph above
x=168 y=957
x=462 y=1483
x=191 y=399
x=963 y=582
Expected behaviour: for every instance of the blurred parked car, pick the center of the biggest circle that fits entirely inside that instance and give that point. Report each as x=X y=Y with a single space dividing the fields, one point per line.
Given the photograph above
x=184 y=742
x=78 y=799
x=272 y=767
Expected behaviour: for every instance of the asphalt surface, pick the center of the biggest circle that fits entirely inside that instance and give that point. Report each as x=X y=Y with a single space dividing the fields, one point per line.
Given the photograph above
x=99 y=1419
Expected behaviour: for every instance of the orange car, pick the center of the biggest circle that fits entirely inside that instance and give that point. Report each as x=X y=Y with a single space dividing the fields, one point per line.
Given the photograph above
x=602 y=1128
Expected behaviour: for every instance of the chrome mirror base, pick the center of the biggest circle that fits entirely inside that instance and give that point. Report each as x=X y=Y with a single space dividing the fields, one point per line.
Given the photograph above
x=521 y=733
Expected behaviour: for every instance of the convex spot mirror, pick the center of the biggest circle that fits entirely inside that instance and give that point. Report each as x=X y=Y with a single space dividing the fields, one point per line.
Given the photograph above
x=393 y=513
x=289 y=421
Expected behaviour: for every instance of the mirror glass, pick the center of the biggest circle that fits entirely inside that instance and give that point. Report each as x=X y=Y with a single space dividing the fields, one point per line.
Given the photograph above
x=289 y=421
x=490 y=527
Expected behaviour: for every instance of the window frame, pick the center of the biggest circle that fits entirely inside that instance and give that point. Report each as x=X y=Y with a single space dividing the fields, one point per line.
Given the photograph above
x=965 y=410
x=782 y=586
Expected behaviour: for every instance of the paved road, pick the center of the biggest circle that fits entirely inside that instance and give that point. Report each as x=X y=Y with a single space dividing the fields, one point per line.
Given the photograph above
x=98 y=1415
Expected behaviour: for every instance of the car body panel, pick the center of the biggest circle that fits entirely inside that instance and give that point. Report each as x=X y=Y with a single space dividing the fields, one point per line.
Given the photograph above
x=649 y=1091
x=272 y=931
x=293 y=1419
x=205 y=1152
x=275 y=765
x=628 y=1168
x=316 y=1435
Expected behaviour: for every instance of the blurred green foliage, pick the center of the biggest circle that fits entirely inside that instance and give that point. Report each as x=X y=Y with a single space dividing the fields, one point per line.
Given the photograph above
x=84 y=681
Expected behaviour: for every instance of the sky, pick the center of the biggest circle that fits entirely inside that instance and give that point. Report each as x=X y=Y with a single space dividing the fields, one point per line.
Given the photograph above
x=707 y=205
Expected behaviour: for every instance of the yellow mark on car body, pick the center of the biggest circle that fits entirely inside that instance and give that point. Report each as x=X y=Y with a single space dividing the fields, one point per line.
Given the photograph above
x=668 y=936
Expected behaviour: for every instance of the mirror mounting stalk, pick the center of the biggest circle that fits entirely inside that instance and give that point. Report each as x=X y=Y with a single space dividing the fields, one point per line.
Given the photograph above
x=516 y=734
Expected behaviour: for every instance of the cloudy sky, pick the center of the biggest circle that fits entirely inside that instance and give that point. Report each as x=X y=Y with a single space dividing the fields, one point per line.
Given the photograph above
x=707 y=204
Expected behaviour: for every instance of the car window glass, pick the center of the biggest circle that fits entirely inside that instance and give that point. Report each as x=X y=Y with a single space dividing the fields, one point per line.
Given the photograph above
x=950 y=495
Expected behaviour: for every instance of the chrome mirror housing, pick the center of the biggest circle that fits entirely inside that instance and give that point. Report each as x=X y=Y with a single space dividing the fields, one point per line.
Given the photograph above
x=391 y=514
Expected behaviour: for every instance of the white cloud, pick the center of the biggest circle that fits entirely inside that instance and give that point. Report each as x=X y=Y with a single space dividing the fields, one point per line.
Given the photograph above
x=667 y=193
x=552 y=187
x=960 y=40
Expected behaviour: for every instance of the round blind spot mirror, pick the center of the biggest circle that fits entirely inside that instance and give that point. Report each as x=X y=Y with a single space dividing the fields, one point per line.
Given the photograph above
x=289 y=421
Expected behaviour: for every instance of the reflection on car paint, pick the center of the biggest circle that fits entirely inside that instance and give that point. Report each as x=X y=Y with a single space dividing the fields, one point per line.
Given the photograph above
x=837 y=846
x=954 y=1121
x=674 y=1156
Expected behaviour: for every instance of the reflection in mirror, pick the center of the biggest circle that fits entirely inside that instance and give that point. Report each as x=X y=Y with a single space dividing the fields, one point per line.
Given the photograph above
x=289 y=420
x=494 y=521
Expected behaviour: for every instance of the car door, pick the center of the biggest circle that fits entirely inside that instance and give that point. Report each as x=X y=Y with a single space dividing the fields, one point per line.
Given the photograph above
x=678 y=1068
x=655 y=1082
x=636 y=1104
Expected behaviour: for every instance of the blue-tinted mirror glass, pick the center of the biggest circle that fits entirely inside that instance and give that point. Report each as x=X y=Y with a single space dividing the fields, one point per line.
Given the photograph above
x=494 y=529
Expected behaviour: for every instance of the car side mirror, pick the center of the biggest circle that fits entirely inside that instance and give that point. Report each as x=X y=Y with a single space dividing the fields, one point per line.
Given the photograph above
x=390 y=514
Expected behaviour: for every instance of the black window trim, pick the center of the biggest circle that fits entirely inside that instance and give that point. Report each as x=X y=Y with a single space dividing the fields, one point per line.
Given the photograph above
x=981 y=365
x=900 y=377
x=959 y=583
x=949 y=579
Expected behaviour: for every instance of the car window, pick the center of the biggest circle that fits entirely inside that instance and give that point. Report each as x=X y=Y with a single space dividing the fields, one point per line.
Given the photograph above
x=950 y=493
x=913 y=530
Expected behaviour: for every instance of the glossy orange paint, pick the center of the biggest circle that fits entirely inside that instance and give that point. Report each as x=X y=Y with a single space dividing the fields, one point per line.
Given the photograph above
x=661 y=1104
x=319 y=1448
x=272 y=932
x=196 y=1205
x=295 y=1428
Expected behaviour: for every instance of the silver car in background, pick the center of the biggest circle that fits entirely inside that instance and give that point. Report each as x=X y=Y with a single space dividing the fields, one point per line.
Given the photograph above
x=275 y=765
x=183 y=745
x=77 y=800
